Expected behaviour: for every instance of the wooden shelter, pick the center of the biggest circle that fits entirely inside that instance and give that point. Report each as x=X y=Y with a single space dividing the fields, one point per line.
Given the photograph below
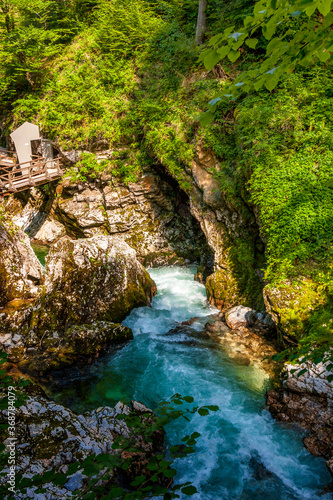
x=30 y=169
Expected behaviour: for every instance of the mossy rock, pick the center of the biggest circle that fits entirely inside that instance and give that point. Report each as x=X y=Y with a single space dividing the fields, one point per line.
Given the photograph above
x=95 y=279
x=291 y=305
x=78 y=344
x=222 y=290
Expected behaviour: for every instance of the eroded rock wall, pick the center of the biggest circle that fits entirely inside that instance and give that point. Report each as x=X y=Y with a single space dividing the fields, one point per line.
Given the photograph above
x=152 y=215
x=232 y=232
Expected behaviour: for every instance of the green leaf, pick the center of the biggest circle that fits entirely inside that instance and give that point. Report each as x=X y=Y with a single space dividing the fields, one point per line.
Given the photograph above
x=310 y=10
x=234 y=55
x=271 y=83
x=138 y=480
x=251 y=42
x=324 y=6
x=213 y=408
x=169 y=472
x=323 y=55
x=299 y=374
x=116 y=492
x=189 y=399
x=223 y=51
x=90 y=496
x=203 y=412
x=189 y=490
x=206 y=119
x=91 y=470
x=258 y=84
x=330 y=378
x=215 y=39
x=211 y=59
x=269 y=28
x=273 y=44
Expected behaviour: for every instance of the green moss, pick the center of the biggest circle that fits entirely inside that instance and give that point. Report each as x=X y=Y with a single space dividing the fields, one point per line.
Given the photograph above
x=222 y=290
x=293 y=305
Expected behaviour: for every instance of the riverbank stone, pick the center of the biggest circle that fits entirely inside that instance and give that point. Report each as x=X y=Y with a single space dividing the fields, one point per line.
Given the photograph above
x=51 y=436
x=306 y=398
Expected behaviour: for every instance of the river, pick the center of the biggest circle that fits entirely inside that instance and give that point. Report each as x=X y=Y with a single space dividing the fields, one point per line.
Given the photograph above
x=242 y=452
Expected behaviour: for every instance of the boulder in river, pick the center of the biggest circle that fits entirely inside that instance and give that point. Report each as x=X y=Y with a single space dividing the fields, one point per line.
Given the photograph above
x=78 y=344
x=87 y=280
x=239 y=316
x=90 y=286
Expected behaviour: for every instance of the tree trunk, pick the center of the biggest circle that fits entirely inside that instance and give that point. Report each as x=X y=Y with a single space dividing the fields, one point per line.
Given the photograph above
x=201 y=24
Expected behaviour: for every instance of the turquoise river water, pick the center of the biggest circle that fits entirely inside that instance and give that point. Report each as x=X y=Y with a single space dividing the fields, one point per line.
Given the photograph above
x=242 y=452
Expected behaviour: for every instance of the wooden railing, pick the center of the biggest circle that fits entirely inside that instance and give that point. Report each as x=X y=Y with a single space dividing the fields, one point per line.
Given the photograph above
x=21 y=176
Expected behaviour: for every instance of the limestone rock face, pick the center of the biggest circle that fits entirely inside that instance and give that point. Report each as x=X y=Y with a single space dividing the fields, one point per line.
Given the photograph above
x=226 y=225
x=313 y=381
x=90 y=286
x=152 y=215
x=87 y=280
x=20 y=270
x=51 y=436
x=50 y=232
x=222 y=289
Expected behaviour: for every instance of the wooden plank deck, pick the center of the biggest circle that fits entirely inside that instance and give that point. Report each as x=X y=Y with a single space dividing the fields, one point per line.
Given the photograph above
x=19 y=177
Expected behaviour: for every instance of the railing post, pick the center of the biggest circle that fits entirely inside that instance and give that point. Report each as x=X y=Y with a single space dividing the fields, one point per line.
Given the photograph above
x=11 y=185
x=47 y=171
x=58 y=167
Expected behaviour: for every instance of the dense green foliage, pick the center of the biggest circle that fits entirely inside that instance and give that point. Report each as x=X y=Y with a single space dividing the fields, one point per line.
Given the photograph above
x=125 y=75
x=295 y=33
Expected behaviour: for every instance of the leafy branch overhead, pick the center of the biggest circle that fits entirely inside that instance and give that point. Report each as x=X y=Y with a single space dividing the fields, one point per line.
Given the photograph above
x=287 y=46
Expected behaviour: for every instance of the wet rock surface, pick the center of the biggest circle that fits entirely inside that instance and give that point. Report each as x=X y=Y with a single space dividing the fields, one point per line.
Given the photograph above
x=94 y=279
x=243 y=345
x=245 y=317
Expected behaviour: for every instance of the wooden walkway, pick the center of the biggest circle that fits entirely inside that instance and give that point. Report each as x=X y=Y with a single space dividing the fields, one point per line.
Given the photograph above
x=15 y=177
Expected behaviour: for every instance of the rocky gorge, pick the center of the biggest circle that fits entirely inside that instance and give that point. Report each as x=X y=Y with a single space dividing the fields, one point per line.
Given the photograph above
x=101 y=234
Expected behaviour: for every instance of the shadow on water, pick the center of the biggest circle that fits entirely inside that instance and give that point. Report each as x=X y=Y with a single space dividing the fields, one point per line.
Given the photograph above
x=41 y=252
